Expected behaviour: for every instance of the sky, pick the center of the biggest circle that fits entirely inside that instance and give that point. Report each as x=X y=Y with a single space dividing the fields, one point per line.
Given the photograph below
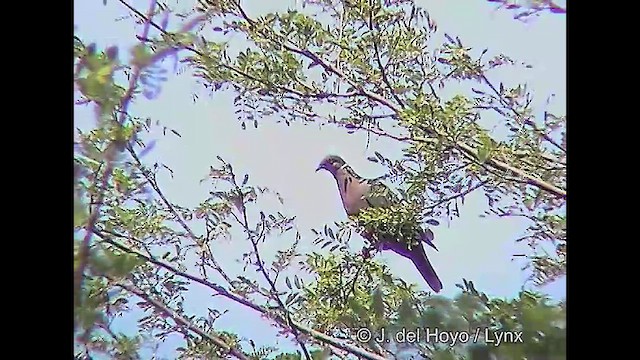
x=284 y=158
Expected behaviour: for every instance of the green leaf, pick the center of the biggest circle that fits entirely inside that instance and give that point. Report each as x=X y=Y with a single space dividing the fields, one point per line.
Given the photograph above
x=291 y=356
x=80 y=213
x=104 y=74
x=485 y=149
x=406 y=313
x=377 y=303
x=91 y=87
x=141 y=55
x=358 y=309
x=290 y=298
x=323 y=354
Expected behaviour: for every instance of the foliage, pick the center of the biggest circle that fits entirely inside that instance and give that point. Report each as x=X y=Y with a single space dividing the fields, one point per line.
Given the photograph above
x=530 y=8
x=341 y=305
x=446 y=145
x=380 y=62
x=395 y=222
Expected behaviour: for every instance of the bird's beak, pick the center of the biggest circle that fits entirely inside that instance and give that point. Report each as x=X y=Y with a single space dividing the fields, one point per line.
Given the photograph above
x=320 y=167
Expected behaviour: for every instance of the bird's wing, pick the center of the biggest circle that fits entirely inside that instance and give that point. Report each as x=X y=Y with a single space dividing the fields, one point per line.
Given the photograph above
x=379 y=195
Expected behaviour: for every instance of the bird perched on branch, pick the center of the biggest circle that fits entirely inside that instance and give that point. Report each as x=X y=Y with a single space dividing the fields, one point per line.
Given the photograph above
x=358 y=194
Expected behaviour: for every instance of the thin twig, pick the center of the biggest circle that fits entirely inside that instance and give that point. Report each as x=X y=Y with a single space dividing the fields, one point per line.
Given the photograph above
x=184 y=322
x=355 y=280
x=172 y=209
x=217 y=288
x=383 y=101
x=453 y=197
x=531 y=180
x=254 y=242
x=243 y=301
x=382 y=68
x=83 y=254
x=518 y=115
x=381 y=133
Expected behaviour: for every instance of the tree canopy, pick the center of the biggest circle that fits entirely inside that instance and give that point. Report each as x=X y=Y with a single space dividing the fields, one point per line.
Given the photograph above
x=385 y=72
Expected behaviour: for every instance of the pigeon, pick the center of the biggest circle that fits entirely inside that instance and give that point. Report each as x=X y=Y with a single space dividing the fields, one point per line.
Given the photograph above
x=358 y=193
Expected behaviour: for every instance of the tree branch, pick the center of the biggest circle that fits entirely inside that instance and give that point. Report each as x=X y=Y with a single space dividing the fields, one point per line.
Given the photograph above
x=380 y=66
x=320 y=95
x=530 y=179
x=517 y=113
x=172 y=209
x=184 y=322
x=397 y=109
x=110 y=154
x=83 y=253
x=241 y=300
x=453 y=197
x=375 y=97
x=254 y=242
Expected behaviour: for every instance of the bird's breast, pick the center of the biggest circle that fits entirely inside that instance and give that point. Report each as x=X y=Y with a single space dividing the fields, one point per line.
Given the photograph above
x=352 y=191
x=353 y=204
x=353 y=199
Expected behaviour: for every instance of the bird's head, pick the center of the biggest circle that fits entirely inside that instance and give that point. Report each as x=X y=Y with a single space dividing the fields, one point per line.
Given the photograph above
x=331 y=163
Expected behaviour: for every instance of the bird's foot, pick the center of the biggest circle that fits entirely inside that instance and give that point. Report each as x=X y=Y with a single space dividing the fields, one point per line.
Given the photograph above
x=367 y=252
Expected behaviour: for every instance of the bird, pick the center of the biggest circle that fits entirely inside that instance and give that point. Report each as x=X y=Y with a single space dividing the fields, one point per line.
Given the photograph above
x=358 y=193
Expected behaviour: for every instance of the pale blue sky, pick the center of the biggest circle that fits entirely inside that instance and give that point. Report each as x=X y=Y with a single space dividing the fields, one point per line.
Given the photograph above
x=284 y=158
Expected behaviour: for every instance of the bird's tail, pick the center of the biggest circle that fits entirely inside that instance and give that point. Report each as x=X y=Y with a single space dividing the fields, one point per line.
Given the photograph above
x=420 y=260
